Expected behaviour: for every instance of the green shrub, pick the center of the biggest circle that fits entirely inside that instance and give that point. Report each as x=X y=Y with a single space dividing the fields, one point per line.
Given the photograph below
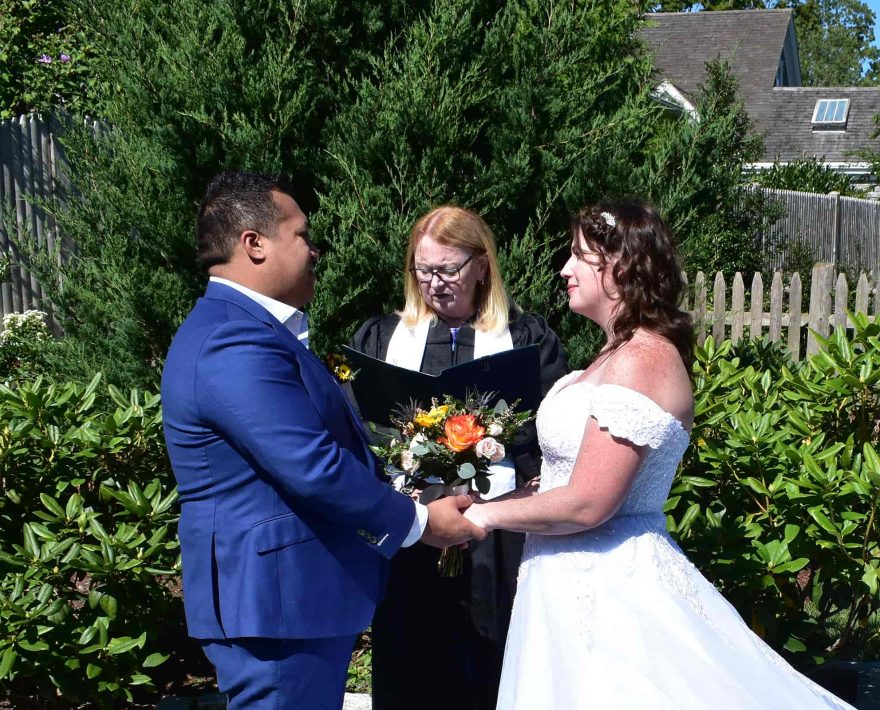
x=44 y=58
x=777 y=500
x=23 y=340
x=360 y=670
x=807 y=175
x=88 y=552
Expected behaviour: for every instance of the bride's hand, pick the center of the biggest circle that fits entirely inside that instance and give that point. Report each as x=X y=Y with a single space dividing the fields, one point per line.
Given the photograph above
x=479 y=514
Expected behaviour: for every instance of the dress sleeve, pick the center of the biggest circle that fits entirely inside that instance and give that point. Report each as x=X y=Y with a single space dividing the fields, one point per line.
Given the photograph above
x=532 y=329
x=631 y=415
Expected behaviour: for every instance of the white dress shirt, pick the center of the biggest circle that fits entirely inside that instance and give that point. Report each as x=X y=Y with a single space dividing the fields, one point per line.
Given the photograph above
x=297 y=323
x=291 y=318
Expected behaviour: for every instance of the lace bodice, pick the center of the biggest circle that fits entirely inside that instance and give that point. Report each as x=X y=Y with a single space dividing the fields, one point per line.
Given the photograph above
x=623 y=412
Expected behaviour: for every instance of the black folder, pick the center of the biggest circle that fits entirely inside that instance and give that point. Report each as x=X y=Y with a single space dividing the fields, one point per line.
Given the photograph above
x=379 y=387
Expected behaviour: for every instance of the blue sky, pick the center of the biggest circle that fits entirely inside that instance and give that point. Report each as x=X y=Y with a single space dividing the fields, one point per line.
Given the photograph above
x=875 y=6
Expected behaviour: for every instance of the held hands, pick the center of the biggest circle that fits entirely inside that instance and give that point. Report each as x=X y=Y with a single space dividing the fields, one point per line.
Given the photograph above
x=481 y=512
x=478 y=514
x=446 y=524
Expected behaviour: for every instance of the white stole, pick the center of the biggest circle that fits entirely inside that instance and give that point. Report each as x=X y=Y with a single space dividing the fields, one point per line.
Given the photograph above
x=407 y=345
x=407 y=348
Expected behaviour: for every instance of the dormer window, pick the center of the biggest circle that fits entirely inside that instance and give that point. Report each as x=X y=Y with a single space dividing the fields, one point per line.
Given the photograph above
x=830 y=114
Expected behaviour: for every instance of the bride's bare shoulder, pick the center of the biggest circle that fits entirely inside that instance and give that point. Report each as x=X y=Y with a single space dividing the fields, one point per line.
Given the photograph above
x=652 y=366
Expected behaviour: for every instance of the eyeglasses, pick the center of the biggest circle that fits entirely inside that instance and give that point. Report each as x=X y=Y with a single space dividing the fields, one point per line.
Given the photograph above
x=446 y=274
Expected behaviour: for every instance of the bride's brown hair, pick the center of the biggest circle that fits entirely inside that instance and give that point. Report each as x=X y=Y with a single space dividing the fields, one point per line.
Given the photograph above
x=632 y=236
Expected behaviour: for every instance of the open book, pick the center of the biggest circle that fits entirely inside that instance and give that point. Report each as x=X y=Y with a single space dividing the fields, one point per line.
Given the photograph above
x=380 y=387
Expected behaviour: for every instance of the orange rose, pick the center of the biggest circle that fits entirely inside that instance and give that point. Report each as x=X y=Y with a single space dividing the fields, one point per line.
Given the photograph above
x=462 y=432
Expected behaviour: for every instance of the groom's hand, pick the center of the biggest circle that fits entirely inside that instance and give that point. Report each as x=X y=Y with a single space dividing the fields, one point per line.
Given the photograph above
x=447 y=526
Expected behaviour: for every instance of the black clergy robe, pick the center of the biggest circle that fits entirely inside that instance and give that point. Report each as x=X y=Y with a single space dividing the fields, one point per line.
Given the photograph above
x=438 y=642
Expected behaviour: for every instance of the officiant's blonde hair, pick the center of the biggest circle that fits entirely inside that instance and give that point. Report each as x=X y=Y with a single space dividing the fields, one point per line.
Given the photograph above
x=457 y=227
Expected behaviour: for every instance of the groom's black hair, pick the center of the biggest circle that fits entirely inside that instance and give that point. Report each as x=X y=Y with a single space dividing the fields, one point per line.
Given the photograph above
x=233 y=203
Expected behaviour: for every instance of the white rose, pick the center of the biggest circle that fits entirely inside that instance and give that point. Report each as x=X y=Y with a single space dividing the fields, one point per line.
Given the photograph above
x=494 y=429
x=408 y=461
x=490 y=449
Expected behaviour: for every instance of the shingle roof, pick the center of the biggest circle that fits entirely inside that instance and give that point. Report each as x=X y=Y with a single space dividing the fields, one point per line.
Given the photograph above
x=785 y=118
x=753 y=40
x=683 y=42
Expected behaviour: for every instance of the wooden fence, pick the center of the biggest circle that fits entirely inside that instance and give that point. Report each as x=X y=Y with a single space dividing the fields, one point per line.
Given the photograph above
x=828 y=228
x=781 y=317
x=29 y=161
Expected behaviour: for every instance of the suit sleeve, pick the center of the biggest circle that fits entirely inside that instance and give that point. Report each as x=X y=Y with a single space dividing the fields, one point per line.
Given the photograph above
x=250 y=390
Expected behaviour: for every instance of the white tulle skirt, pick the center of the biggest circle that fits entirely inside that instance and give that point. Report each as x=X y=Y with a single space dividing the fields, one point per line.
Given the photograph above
x=617 y=617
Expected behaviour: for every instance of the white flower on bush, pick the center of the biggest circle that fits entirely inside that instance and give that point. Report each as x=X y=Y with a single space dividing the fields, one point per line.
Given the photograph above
x=494 y=429
x=490 y=449
x=409 y=462
x=24 y=327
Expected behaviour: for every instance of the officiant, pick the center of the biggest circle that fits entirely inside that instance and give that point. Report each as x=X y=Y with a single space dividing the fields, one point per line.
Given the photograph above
x=438 y=642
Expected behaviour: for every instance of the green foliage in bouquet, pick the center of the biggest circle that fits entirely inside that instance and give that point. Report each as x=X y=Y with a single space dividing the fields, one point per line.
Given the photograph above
x=777 y=500
x=88 y=551
x=378 y=111
x=454 y=442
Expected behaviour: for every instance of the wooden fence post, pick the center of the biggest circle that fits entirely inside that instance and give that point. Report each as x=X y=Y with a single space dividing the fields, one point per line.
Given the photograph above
x=820 y=305
x=863 y=293
x=719 y=307
x=737 y=308
x=841 y=298
x=700 y=307
x=776 y=307
x=756 y=321
x=794 y=316
x=835 y=211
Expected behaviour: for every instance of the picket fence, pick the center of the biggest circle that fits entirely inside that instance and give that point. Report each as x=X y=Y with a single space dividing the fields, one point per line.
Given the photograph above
x=781 y=317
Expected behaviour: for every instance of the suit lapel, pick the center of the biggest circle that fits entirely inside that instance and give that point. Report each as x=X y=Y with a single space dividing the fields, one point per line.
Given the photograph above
x=222 y=292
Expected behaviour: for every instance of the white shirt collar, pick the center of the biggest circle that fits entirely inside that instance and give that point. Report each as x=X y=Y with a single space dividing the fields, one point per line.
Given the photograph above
x=291 y=318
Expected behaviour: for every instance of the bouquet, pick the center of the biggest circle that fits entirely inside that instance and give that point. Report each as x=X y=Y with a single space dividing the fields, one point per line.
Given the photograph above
x=452 y=444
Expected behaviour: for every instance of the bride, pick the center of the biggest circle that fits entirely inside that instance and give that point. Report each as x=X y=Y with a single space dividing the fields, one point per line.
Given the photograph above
x=609 y=613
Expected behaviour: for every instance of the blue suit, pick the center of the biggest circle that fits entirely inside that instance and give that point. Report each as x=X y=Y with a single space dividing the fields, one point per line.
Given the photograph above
x=286 y=527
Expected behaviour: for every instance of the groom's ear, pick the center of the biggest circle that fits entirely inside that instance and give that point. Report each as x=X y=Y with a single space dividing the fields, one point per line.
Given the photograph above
x=253 y=244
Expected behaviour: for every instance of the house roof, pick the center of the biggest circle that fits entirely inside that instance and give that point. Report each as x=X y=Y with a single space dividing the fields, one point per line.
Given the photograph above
x=786 y=114
x=755 y=42
x=683 y=42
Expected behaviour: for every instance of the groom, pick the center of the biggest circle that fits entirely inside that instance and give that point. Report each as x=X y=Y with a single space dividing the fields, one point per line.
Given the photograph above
x=286 y=526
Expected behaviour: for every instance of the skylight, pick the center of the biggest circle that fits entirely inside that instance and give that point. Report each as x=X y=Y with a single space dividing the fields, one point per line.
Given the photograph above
x=831 y=113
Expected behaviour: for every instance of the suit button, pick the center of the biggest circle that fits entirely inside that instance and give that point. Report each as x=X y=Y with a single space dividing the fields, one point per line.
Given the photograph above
x=369 y=537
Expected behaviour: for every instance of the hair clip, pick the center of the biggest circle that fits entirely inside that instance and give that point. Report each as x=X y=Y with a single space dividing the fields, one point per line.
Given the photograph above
x=609 y=219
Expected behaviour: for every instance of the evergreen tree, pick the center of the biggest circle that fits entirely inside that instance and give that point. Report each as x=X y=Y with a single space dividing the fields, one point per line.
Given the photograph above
x=695 y=170
x=517 y=113
x=190 y=88
x=521 y=111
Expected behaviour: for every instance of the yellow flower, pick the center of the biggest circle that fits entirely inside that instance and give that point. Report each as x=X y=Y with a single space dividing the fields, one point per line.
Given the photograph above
x=432 y=418
x=343 y=372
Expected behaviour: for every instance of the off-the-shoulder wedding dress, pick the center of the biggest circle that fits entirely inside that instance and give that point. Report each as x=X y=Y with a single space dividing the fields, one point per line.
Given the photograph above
x=617 y=617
